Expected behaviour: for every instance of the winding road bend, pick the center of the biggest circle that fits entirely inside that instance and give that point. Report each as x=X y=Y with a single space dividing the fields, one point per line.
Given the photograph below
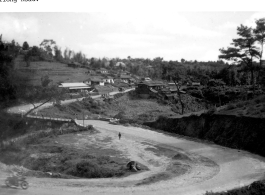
x=235 y=169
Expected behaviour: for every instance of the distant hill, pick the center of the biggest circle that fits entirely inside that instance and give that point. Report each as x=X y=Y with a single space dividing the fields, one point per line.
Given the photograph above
x=56 y=71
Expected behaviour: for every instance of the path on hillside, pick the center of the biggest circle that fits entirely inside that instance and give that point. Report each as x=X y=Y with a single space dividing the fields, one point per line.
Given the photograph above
x=237 y=168
x=22 y=109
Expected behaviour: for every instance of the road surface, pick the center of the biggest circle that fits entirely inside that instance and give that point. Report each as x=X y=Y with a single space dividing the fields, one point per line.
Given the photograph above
x=236 y=169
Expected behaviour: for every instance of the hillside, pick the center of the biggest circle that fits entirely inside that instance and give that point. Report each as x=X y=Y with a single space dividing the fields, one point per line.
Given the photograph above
x=127 y=107
x=56 y=71
x=250 y=108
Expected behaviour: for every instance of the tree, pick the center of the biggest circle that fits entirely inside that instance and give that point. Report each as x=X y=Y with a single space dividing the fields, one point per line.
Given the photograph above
x=40 y=95
x=259 y=33
x=183 y=60
x=45 y=81
x=7 y=88
x=48 y=45
x=111 y=64
x=25 y=46
x=58 y=53
x=175 y=74
x=65 y=54
x=243 y=51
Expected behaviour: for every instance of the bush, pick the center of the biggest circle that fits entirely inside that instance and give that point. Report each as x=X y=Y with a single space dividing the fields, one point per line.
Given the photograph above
x=211 y=111
x=196 y=93
x=240 y=104
x=89 y=169
x=231 y=106
x=216 y=82
x=256 y=188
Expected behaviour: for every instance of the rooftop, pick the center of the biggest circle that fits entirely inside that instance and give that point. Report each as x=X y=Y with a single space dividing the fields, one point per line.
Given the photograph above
x=95 y=79
x=124 y=76
x=73 y=85
x=75 y=63
x=152 y=83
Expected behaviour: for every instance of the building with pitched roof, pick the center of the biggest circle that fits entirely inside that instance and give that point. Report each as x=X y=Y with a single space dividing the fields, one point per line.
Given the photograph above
x=146 y=88
x=96 y=80
x=75 y=87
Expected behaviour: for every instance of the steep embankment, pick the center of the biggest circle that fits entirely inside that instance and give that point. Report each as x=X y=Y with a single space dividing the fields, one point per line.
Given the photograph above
x=232 y=131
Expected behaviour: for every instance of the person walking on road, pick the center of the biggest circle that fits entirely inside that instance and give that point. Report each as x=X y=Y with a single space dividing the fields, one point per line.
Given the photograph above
x=119 y=135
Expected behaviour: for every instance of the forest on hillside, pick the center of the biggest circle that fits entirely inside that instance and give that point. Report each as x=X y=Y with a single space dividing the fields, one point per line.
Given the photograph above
x=239 y=65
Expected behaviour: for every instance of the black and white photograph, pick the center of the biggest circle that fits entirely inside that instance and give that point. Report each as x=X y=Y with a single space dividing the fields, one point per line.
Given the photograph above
x=131 y=99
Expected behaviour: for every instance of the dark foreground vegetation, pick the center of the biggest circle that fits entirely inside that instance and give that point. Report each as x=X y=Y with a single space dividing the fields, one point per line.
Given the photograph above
x=256 y=188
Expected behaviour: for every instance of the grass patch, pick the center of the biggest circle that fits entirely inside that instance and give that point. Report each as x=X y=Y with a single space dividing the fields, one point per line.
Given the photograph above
x=65 y=156
x=256 y=188
x=250 y=108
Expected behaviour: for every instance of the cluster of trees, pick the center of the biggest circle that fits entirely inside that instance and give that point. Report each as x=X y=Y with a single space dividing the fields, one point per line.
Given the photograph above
x=8 y=51
x=48 y=50
x=11 y=87
x=247 y=50
x=245 y=53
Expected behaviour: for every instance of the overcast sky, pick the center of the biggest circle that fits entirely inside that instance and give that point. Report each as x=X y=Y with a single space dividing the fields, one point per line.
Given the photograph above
x=188 y=35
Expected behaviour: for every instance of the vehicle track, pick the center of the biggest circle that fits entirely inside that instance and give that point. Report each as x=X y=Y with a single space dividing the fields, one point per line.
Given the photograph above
x=235 y=169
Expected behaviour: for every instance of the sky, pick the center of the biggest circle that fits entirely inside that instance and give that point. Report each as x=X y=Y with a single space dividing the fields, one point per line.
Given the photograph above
x=173 y=35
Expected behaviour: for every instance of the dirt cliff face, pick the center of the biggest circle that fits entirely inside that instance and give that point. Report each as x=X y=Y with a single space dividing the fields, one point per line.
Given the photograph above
x=231 y=131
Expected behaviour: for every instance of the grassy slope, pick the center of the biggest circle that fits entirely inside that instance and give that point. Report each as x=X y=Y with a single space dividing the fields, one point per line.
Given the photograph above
x=131 y=108
x=137 y=108
x=68 y=154
x=250 y=108
x=256 y=188
x=56 y=71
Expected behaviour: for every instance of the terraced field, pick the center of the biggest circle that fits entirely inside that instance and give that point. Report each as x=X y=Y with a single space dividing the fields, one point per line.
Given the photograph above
x=56 y=71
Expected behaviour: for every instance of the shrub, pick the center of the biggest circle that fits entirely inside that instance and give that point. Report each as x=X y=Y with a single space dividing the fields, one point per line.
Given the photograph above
x=231 y=106
x=240 y=104
x=211 y=111
x=103 y=160
x=90 y=127
x=90 y=169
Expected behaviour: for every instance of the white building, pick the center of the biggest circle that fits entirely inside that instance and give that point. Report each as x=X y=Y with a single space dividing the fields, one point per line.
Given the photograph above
x=76 y=87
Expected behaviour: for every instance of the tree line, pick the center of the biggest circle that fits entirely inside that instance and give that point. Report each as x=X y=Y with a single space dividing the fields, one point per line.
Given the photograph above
x=48 y=50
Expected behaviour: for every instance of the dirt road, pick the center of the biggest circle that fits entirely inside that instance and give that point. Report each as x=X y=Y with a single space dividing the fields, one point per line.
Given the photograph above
x=236 y=168
x=22 y=109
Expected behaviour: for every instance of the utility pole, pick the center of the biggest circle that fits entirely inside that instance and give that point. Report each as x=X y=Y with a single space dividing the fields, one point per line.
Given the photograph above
x=83 y=119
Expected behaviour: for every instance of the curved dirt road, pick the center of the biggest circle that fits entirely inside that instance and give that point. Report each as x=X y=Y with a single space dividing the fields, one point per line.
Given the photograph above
x=236 y=168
